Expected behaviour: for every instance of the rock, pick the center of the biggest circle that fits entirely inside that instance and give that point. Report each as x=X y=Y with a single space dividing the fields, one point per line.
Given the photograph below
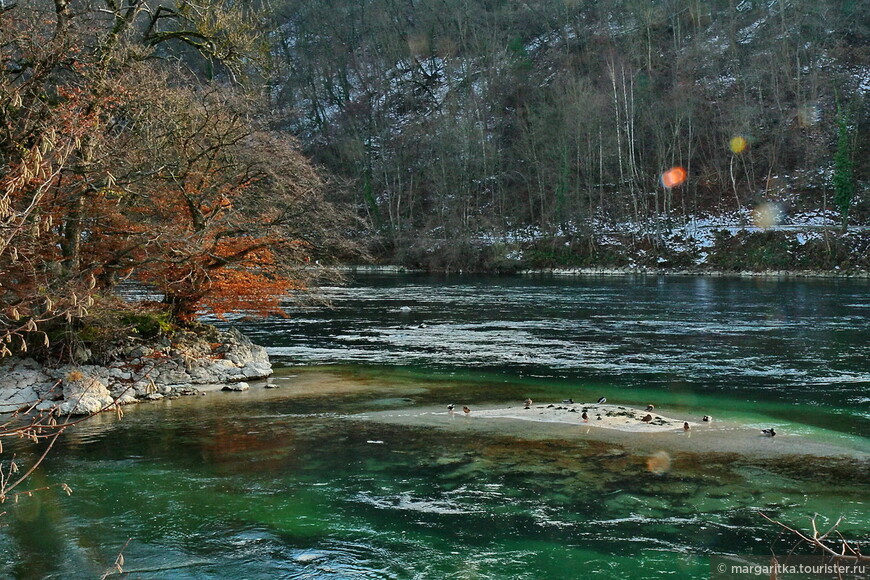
x=175 y=378
x=237 y=387
x=149 y=371
x=84 y=395
x=22 y=374
x=257 y=370
x=120 y=374
x=127 y=398
x=14 y=399
x=23 y=383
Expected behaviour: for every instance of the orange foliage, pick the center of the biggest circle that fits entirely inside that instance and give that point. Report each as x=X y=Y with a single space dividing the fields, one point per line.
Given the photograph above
x=113 y=169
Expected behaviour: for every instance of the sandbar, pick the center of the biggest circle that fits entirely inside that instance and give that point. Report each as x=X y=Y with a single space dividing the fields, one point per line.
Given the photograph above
x=621 y=425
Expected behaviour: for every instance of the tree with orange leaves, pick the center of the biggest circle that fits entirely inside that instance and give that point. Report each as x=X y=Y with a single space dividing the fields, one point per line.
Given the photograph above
x=232 y=211
x=116 y=165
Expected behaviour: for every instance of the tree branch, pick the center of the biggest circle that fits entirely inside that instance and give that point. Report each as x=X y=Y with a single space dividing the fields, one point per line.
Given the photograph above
x=847 y=552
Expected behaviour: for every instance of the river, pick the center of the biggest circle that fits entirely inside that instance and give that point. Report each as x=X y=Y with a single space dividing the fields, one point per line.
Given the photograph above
x=290 y=483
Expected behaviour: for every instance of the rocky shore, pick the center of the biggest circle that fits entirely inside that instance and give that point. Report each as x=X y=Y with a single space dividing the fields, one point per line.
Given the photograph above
x=131 y=373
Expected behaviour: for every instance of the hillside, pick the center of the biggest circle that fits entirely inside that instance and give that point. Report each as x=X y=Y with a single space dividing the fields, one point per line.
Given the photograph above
x=455 y=124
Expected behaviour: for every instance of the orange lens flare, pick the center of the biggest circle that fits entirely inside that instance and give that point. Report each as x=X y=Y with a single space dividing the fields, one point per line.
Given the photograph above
x=659 y=462
x=673 y=177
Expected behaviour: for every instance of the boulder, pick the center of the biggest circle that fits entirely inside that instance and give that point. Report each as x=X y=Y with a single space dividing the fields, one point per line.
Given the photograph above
x=84 y=394
x=143 y=372
x=22 y=383
x=237 y=387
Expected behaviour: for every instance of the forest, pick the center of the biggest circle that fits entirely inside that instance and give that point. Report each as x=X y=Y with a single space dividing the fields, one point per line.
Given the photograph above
x=172 y=167
x=460 y=126
x=217 y=151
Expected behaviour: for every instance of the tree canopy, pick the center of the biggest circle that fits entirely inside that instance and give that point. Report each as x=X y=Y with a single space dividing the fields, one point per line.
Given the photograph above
x=136 y=144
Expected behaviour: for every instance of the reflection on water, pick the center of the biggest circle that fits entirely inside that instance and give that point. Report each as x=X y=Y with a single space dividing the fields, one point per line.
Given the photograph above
x=287 y=483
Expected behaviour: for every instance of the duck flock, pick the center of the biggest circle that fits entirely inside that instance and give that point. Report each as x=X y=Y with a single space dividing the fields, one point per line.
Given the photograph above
x=571 y=406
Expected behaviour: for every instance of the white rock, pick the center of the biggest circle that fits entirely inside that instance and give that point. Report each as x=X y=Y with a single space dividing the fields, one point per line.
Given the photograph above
x=243 y=386
x=127 y=398
x=85 y=396
x=256 y=371
x=14 y=399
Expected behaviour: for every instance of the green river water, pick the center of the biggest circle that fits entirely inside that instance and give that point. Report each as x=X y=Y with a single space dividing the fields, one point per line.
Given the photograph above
x=293 y=483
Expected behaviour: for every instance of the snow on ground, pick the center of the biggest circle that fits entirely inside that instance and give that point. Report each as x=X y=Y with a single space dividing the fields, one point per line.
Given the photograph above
x=681 y=235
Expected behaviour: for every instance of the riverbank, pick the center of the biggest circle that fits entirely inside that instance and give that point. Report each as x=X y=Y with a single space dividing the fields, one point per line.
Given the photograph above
x=626 y=271
x=186 y=363
x=773 y=274
x=736 y=244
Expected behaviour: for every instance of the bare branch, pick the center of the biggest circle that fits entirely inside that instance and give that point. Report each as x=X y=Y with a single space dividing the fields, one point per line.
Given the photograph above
x=853 y=555
x=117 y=567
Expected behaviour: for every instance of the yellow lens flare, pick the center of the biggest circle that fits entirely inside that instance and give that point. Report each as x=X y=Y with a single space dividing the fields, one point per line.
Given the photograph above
x=738 y=144
x=673 y=177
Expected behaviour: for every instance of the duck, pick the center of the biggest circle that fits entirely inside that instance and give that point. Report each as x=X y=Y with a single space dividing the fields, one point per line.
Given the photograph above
x=707 y=419
x=568 y=402
x=650 y=408
x=686 y=426
x=528 y=403
x=450 y=407
x=647 y=418
x=585 y=417
x=602 y=400
x=466 y=410
x=769 y=432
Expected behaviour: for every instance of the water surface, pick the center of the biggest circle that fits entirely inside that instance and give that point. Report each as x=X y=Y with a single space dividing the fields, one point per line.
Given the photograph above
x=289 y=483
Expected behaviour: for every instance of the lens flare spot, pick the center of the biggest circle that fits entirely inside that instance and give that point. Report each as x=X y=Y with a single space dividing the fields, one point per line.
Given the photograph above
x=808 y=115
x=738 y=144
x=659 y=462
x=673 y=177
x=767 y=215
